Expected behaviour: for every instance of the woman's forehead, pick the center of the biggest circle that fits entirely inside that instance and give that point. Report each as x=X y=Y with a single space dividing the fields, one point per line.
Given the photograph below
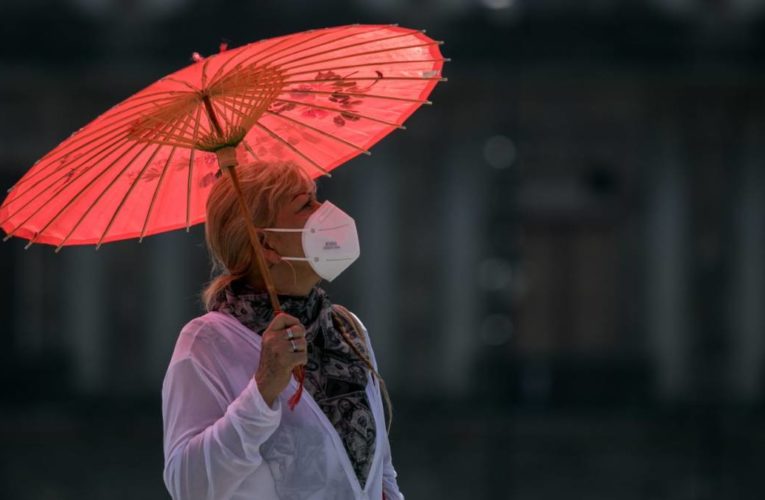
x=307 y=188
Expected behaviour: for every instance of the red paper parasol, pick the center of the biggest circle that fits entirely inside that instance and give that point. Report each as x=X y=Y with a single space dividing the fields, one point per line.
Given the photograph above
x=318 y=98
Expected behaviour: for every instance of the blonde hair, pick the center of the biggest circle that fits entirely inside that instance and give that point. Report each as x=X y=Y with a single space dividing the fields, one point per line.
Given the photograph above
x=266 y=188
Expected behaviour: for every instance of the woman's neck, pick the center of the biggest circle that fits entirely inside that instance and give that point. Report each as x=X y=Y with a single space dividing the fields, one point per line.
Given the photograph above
x=287 y=285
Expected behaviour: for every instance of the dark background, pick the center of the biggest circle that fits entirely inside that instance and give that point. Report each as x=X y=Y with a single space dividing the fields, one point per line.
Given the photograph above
x=563 y=259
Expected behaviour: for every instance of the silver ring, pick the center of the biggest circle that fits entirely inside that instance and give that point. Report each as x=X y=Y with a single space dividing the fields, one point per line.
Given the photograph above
x=290 y=335
x=294 y=347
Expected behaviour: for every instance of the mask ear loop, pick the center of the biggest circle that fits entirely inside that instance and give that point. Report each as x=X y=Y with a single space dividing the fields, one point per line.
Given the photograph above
x=283 y=229
x=286 y=259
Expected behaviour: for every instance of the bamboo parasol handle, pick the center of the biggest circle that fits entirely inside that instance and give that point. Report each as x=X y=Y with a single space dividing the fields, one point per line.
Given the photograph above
x=227 y=163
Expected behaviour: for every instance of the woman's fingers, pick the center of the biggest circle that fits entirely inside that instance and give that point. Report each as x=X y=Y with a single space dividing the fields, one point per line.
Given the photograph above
x=294 y=332
x=284 y=320
x=289 y=330
x=294 y=351
x=297 y=344
x=280 y=354
x=300 y=357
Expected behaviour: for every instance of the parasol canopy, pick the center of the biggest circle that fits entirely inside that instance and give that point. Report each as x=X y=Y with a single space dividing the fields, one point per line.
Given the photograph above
x=145 y=166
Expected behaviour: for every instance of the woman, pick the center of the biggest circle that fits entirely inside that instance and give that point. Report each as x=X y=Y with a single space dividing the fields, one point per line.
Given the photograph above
x=228 y=430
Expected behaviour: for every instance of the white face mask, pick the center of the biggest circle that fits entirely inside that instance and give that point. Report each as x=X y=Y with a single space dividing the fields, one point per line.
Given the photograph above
x=330 y=242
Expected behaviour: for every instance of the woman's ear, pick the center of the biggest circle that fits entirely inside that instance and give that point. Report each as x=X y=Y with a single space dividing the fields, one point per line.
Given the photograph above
x=271 y=255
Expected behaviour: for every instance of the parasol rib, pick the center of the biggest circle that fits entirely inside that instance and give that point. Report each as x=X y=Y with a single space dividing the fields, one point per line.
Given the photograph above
x=156 y=192
x=357 y=94
x=364 y=78
x=259 y=99
x=293 y=148
x=266 y=61
x=228 y=111
x=288 y=64
x=249 y=150
x=327 y=108
x=376 y=63
x=192 y=88
x=94 y=202
x=63 y=169
x=96 y=142
x=324 y=43
x=151 y=95
x=264 y=57
x=239 y=105
x=119 y=123
x=225 y=100
x=234 y=99
x=130 y=190
x=257 y=104
x=121 y=203
x=191 y=167
x=204 y=73
x=220 y=110
x=114 y=147
x=211 y=117
x=61 y=189
x=338 y=49
x=44 y=162
x=326 y=134
x=263 y=54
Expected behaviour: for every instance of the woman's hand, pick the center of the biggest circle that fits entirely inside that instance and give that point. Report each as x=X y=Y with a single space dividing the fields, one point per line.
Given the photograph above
x=277 y=358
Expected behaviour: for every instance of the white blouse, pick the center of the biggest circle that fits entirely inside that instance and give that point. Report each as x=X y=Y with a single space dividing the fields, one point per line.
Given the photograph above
x=222 y=441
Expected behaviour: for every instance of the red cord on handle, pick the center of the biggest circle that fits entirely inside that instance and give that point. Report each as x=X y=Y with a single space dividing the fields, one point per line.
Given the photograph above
x=299 y=373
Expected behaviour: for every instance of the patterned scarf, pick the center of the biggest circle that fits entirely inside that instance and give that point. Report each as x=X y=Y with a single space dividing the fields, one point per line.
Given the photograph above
x=334 y=376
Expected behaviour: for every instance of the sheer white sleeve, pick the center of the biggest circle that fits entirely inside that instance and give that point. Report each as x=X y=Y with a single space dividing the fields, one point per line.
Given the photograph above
x=210 y=448
x=390 y=485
